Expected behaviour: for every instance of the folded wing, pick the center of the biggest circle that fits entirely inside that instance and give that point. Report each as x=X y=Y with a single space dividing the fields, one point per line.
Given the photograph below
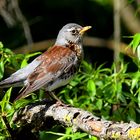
x=18 y=78
x=58 y=60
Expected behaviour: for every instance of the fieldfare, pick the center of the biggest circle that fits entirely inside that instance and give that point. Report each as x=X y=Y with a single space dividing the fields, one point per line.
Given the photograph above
x=55 y=67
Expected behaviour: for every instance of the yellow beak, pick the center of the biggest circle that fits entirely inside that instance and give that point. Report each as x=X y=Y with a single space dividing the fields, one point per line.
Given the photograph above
x=85 y=29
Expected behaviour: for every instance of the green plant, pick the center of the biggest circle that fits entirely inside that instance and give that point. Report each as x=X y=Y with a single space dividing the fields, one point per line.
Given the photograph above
x=11 y=62
x=103 y=91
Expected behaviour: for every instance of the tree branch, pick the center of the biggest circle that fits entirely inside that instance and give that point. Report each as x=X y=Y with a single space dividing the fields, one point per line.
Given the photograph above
x=129 y=17
x=117 y=33
x=6 y=14
x=88 y=41
x=36 y=116
x=11 y=13
x=23 y=21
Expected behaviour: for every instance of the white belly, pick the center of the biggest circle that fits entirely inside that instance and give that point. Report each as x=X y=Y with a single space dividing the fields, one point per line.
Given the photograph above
x=58 y=83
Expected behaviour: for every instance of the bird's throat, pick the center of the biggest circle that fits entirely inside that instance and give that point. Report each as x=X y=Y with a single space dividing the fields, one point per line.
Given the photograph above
x=76 y=48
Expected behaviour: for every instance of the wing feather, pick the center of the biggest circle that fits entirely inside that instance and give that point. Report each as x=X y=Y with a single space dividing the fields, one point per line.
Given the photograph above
x=58 y=61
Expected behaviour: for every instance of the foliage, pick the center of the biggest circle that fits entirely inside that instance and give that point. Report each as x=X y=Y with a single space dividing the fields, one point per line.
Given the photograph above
x=103 y=91
x=135 y=45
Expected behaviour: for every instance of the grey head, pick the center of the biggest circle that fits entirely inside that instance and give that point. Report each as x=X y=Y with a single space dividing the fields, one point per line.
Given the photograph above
x=71 y=32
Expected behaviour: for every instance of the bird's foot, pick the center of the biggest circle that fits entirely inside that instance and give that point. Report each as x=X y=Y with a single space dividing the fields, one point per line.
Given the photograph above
x=60 y=103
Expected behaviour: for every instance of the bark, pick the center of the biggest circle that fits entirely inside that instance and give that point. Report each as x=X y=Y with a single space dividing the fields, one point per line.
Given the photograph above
x=40 y=115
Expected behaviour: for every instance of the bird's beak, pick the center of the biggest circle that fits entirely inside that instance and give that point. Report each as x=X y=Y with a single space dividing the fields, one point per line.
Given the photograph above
x=82 y=31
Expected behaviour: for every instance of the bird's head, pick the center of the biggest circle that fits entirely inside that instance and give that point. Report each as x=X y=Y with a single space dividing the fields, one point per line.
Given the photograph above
x=71 y=32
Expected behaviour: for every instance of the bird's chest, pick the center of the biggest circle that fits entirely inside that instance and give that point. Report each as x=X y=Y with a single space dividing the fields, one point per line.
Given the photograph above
x=62 y=80
x=77 y=49
x=72 y=66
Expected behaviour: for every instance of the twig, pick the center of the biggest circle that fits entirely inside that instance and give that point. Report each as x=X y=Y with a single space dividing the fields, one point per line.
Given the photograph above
x=117 y=31
x=35 y=115
x=128 y=15
x=11 y=13
x=23 y=20
x=6 y=14
x=88 y=41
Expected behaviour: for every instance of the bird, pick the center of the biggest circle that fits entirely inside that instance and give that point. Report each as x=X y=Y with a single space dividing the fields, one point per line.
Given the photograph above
x=55 y=67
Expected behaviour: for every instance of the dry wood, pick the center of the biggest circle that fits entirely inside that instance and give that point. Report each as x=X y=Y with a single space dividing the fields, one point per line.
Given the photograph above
x=36 y=116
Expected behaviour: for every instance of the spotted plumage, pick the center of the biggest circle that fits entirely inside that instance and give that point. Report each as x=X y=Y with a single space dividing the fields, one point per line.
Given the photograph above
x=55 y=67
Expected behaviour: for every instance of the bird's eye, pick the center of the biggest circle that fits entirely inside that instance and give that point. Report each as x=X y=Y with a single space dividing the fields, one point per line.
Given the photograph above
x=74 y=31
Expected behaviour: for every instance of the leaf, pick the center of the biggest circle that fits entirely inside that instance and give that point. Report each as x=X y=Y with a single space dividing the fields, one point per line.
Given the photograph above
x=135 y=79
x=91 y=88
x=33 y=54
x=1 y=45
x=1 y=69
x=99 y=104
x=2 y=137
x=123 y=99
x=87 y=67
x=14 y=62
x=131 y=114
x=138 y=52
x=25 y=60
x=8 y=51
x=78 y=135
x=55 y=133
x=136 y=41
x=21 y=103
x=23 y=63
x=119 y=89
x=5 y=101
x=73 y=83
x=139 y=98
x=92 y=138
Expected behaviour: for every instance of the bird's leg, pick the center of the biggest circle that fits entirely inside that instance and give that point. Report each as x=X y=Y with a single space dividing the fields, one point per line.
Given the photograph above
x=58 y=101
x=54 y=97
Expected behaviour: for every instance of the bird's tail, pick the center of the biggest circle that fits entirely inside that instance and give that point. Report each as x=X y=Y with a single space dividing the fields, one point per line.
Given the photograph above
x=10 y=82
x=23 y=92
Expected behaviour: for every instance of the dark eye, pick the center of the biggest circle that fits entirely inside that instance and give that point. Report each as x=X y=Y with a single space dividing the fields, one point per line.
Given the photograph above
x=74 y=31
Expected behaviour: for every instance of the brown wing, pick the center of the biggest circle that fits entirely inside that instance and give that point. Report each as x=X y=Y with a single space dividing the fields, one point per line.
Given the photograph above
x=54 y=63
